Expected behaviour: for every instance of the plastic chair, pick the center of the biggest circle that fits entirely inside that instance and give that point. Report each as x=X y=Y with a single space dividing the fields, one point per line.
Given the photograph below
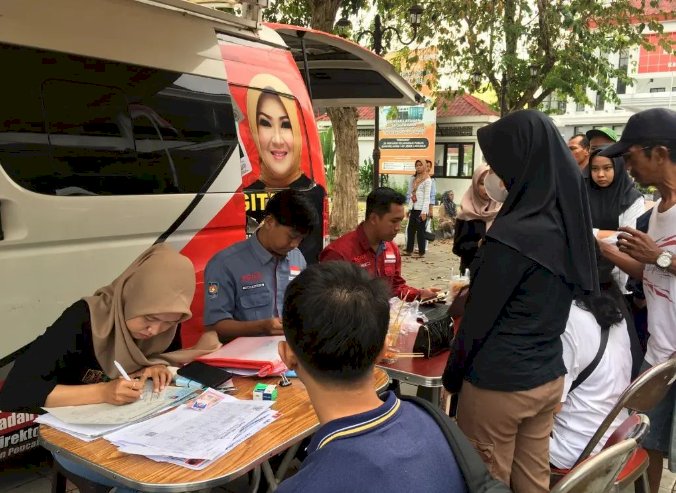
x=598 y=474
x=641 y=396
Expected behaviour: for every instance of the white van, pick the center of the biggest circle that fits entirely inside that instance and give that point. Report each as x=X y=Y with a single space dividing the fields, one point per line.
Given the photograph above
x=125 y=122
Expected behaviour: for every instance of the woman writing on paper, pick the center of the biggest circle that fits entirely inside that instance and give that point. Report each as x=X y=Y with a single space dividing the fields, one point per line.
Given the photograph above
x=135 y=320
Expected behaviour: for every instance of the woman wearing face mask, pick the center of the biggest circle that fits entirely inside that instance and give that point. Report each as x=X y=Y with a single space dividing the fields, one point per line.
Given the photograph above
x=477 y=212
x=275 y=125
x=419 y=204
x=538 y=254
x=614 y=202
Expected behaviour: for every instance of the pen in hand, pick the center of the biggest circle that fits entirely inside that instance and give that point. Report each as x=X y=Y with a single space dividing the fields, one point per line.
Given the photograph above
x=124 y=374
x=121 y=370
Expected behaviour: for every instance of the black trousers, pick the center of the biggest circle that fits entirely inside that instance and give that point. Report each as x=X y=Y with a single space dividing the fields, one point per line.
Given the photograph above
x=415 y=229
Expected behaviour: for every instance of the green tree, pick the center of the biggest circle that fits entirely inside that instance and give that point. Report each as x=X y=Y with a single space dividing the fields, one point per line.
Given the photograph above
x=329 y=154
x=566 y=43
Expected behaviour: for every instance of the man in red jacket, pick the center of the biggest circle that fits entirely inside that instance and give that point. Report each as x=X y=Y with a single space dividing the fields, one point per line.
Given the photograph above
x=371 y=247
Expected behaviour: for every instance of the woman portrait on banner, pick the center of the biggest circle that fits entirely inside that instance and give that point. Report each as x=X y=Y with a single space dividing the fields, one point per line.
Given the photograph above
x=507 y=359
x=275 y=125
x=477 y=212
x=134 y=321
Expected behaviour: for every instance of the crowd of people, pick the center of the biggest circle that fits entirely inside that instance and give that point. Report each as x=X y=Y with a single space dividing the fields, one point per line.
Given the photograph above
x=549 y=235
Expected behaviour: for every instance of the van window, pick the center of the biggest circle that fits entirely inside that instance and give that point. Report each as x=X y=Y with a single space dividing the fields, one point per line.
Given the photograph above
x=72 y=125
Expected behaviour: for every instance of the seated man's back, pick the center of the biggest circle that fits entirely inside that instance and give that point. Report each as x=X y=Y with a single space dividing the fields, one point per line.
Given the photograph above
x=335 y=321
x=397 y=447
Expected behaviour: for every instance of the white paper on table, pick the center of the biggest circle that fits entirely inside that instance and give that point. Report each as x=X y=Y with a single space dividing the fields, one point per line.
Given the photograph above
x=109 y=414
x=191 y=434
x=83 y=432
x=199 y=464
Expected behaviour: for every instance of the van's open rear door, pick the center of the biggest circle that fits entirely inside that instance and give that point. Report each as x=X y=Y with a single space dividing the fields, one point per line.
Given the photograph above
x=342 y=73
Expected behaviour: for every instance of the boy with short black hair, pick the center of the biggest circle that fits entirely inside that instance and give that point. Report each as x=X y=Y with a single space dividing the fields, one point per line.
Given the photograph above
x=335 y=322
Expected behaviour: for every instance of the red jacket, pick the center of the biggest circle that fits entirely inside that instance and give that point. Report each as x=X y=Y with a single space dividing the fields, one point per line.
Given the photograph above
x=386 y=263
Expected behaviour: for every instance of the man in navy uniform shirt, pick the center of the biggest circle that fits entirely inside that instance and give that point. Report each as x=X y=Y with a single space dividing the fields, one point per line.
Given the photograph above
x=335 y=321
x=245 y=283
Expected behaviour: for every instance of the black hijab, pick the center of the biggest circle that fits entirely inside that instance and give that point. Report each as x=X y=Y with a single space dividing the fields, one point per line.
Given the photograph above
x=546 y=215
x=606 y=204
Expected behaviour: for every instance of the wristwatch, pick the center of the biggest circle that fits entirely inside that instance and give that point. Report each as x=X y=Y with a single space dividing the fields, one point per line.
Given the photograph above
x=664 y=260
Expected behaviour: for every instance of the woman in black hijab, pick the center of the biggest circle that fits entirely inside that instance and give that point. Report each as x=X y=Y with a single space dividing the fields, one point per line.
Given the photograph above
x=537 y=256
x=614 y=202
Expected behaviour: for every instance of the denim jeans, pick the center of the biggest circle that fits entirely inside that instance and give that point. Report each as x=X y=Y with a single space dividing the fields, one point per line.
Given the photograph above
x=91 y=475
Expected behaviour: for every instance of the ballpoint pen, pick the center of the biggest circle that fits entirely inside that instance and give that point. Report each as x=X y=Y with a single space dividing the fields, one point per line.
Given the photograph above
x=121 y=370
x=124 y=374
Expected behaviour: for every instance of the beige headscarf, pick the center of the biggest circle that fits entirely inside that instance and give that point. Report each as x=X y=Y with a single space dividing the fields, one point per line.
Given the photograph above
x=473 y=206
x=269 y=85
x=160 y=280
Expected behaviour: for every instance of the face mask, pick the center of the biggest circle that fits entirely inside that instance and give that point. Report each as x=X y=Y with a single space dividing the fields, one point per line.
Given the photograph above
x=495 y=188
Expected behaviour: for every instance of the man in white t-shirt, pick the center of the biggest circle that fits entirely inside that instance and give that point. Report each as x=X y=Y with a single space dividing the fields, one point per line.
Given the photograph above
x=585 y=407
x=648 y=145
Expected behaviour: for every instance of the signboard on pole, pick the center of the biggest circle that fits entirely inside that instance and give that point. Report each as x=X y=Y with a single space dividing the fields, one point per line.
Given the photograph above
x=407 y=132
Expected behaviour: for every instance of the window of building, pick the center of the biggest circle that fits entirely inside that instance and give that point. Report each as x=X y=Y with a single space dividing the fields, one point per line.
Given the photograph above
x=579 y=107
x=600 y=102
x=658 y=89
x=454 y=160
x=80 y=126
x=622 y=64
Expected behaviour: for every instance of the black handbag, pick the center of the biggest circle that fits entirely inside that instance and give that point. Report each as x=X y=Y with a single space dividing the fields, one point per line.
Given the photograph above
x=434 y=336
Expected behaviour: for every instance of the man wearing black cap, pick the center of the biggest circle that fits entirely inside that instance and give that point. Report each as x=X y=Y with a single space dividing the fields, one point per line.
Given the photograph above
x=601 y=137
x=648 y=145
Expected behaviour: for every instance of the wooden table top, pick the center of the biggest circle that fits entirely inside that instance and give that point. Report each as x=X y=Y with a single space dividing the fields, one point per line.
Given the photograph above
x=297 y=421
x=417 y=371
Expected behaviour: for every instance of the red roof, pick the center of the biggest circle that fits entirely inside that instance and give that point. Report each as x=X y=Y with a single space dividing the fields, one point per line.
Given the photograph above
x=462 y=105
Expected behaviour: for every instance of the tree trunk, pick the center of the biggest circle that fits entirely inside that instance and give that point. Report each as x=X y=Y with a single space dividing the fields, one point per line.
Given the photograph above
x=344 y=215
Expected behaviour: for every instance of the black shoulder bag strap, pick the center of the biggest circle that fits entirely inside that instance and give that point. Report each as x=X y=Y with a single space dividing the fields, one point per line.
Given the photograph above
x=474 y=471
x=595 y=362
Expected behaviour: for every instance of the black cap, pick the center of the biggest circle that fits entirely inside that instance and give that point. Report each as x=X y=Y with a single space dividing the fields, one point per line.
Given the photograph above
x=654 y=124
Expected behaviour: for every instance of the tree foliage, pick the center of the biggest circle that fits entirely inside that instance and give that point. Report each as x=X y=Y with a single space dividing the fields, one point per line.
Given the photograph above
x=567 y=42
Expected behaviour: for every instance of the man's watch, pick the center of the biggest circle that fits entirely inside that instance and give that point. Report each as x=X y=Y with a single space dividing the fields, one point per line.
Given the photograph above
x=664 y=260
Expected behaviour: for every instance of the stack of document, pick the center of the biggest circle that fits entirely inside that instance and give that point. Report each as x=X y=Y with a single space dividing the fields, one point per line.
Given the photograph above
x=197 y=433
x=91 y=421
x=249 y=356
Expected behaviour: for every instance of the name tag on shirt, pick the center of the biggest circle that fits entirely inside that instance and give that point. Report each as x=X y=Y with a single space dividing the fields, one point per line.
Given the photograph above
x=390 y=258
x=294 y=270
x=253 y=286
